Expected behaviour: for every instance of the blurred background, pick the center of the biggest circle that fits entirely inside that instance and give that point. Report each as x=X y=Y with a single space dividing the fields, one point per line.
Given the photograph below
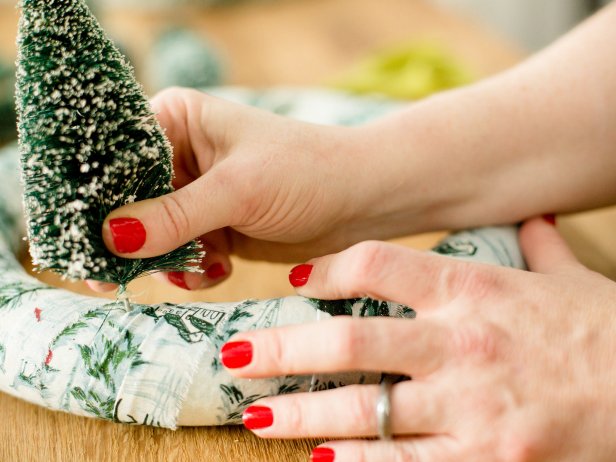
x=532 y=24
x=403 y=49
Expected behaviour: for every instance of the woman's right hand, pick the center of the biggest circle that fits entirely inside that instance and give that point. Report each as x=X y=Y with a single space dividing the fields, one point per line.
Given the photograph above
x=250 y=183
x=261 y=186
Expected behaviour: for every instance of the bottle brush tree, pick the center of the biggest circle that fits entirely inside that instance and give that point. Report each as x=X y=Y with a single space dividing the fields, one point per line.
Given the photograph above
x=89 y=143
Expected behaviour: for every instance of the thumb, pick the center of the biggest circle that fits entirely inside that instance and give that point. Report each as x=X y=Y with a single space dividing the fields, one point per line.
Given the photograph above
x=544 y=248
x=157 y=226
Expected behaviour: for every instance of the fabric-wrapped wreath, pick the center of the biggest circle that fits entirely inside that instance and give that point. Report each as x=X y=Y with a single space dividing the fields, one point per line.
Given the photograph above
x=158 y=365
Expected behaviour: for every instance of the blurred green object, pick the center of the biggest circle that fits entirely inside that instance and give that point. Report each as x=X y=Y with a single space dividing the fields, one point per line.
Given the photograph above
x=8 y=118
x=405 y=72
x=183 y=58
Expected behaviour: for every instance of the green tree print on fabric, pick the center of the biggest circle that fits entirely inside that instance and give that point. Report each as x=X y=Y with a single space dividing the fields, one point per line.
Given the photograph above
x=11 y=294
x=236 y=403
x=368 y=307
x=457 y=248
x=335 y=307
x=2 y=357
x=374 y=308
x=193 y=324
x=105 y=362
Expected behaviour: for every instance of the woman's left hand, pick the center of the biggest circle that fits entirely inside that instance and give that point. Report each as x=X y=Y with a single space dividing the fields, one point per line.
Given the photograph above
x=507 y=365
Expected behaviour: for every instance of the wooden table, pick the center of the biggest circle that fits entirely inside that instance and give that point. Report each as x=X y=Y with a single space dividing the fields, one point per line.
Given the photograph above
x=298 y=42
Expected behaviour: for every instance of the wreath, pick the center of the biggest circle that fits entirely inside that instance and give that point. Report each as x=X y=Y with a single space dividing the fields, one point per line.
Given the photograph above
x=158 y=364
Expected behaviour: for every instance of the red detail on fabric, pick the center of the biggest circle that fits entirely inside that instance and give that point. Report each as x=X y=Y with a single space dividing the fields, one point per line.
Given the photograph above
x=49 y=357
x=37 y=314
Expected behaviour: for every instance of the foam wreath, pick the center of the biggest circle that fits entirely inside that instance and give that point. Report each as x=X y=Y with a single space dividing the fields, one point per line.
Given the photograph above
x=158 y=365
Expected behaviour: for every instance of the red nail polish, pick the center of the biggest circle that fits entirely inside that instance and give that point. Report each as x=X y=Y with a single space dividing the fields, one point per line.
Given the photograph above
x=299 y=275
x=234 y=355
x=322 y=455
x=128 y=234
x=550 y=218
x=257 y=417
x=177 y=278
x=216 y=271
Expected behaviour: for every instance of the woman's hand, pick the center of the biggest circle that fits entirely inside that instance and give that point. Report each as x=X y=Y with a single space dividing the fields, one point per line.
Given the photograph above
x=266 y=187
x=251 y=183
x=507 y=365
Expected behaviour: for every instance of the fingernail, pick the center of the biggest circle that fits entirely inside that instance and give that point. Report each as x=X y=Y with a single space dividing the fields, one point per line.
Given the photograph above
x=216 y=271
x=550 y=218
x=299 y=275
x=128 y=234
x=178 y=278
x=234 y=355
x=322 y=455
x=257 y=417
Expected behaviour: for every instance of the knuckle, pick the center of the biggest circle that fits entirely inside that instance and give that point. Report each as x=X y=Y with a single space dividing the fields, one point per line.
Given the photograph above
x=464 y=279
x=277 y=358
x=360 y=454
x=295 y=418
x=363 y=268
x=363 y=411
x=406 y=453
x=175 y=217
x=479 y=341
x=349 y=342
x=519 y=448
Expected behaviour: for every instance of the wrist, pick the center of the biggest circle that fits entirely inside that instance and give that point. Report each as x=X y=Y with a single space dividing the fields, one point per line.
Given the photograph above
x=411 y=180
x=459 y=159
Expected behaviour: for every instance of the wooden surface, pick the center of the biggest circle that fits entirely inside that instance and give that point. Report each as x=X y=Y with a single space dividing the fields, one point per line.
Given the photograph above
x=299 y=42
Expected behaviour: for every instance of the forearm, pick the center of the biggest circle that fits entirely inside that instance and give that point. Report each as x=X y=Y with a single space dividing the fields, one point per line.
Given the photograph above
x=539 y=138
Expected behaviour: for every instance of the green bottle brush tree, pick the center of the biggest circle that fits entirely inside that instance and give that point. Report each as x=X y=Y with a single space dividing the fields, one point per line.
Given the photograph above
x=89 y=143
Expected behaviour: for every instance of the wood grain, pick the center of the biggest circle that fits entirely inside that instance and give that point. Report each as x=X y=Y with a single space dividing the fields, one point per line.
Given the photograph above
x=302 y=42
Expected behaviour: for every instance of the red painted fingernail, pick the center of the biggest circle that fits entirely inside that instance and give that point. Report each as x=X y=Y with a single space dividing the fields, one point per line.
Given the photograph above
x=299 y=275
x=322 y=455
x=550 y=218
x=216 y=271
x=177 y=278
x=234 y=355
x=257 y=417
x=128 y=234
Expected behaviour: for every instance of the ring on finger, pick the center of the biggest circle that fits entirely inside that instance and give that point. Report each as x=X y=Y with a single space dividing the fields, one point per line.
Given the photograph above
x=383 y=409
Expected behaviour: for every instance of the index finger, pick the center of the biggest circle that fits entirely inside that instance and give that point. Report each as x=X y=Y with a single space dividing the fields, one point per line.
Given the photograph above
x=342 y=344
x=388 y=272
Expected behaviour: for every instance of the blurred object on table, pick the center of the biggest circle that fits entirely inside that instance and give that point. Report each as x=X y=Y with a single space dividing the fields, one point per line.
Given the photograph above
x=181 y=57
x=8 y=118
x=532 y=24
x=405 y=72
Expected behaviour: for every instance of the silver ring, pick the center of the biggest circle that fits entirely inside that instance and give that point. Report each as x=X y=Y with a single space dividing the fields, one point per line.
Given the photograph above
x=383 y=409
